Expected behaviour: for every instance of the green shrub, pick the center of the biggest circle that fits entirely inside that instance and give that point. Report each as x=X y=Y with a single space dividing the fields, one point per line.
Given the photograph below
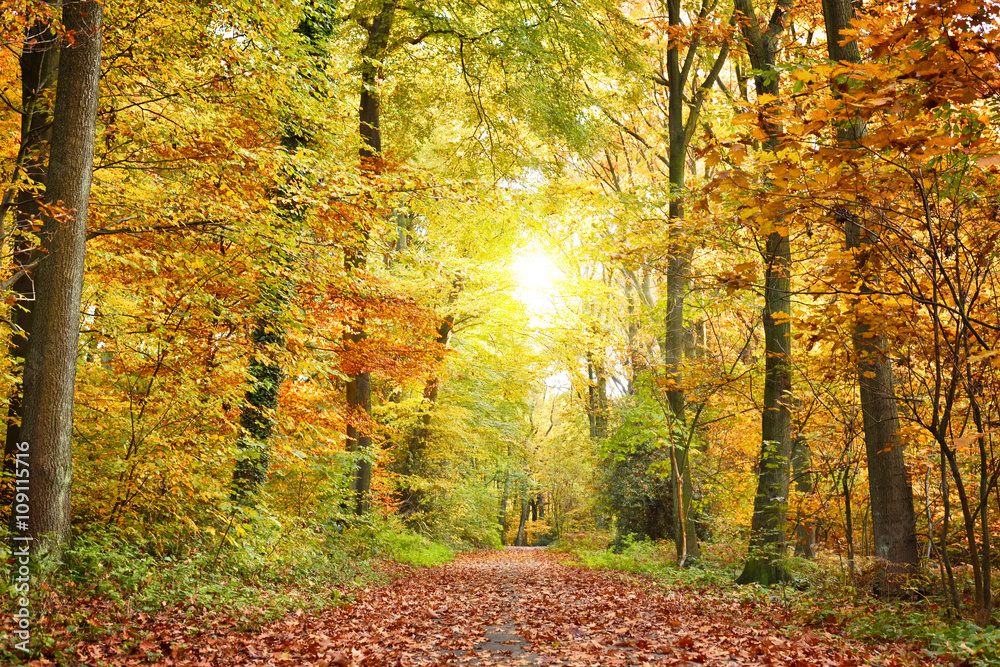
x=408 y=547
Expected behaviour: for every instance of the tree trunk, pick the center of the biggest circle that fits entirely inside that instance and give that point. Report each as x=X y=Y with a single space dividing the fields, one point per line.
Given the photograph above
x=504 y=497
x=945 y=524
x=848 y=524
x=767 y=537
x=524 y=519
x=805 y=528
x=767 y=542
x=678 y=270
x=601 y=419
x=420 y=438
x=633 y=333
x=359 y=389
x=39 y=64
x=266 y=375
x=597 y=401
x=257 y=415
x=50 y=365
x=894 y=525
x=679 y=133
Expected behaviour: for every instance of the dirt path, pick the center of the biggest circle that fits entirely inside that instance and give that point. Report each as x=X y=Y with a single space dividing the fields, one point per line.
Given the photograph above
x=525 y=607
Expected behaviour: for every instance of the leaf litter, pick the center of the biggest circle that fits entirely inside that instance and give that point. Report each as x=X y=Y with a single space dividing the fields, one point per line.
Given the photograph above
x=512 y=607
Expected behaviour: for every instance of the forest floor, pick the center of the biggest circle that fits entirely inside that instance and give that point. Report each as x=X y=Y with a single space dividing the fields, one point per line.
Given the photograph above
x=513 y=607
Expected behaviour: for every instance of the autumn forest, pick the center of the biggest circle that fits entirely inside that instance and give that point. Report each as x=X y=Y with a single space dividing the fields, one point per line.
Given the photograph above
x=575 y=332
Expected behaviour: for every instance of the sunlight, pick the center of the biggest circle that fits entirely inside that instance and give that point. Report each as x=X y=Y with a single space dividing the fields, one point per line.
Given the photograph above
x=537 y=279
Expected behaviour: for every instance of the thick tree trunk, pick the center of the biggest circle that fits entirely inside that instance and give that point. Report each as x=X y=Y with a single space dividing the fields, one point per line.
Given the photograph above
x=894 y=524
x=359 y=388
x=50 y=365
x=39 y=64
x=767 y=530
x=767 y=540
x=359 y=392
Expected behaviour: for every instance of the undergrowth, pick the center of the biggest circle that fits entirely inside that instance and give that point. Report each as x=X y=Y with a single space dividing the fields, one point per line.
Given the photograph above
x=250 y=571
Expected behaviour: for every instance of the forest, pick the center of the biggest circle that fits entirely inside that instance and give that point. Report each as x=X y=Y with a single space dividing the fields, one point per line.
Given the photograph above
x=315 y=307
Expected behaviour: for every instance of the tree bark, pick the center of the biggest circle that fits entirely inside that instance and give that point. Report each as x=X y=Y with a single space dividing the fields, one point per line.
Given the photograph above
x=265 y=373
x=767 y=531
x=50 y=365
x=848 y=523
x=894 y=524
x=39 y=64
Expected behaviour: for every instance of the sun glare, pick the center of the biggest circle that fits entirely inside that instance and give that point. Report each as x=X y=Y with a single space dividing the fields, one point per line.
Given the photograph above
x=537 y=279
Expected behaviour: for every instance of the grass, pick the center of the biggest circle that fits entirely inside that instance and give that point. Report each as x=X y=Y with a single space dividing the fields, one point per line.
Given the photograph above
x=413 y=549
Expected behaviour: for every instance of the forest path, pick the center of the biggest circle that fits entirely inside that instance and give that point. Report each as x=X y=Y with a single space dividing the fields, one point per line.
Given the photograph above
x=529 y=607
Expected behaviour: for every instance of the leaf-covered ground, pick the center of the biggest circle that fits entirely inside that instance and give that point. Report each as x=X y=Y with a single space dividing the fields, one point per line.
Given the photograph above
x=516 y=607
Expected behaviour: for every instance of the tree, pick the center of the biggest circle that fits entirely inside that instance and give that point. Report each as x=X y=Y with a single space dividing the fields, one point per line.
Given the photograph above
x=680 y=131
x=767 y=541
x=50 y=364
x=893 y=522
x=265 y=373
x=378 y=29
x=39 y=63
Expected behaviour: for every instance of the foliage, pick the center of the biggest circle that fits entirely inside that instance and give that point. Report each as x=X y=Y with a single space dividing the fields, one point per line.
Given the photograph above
x=229 y=200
